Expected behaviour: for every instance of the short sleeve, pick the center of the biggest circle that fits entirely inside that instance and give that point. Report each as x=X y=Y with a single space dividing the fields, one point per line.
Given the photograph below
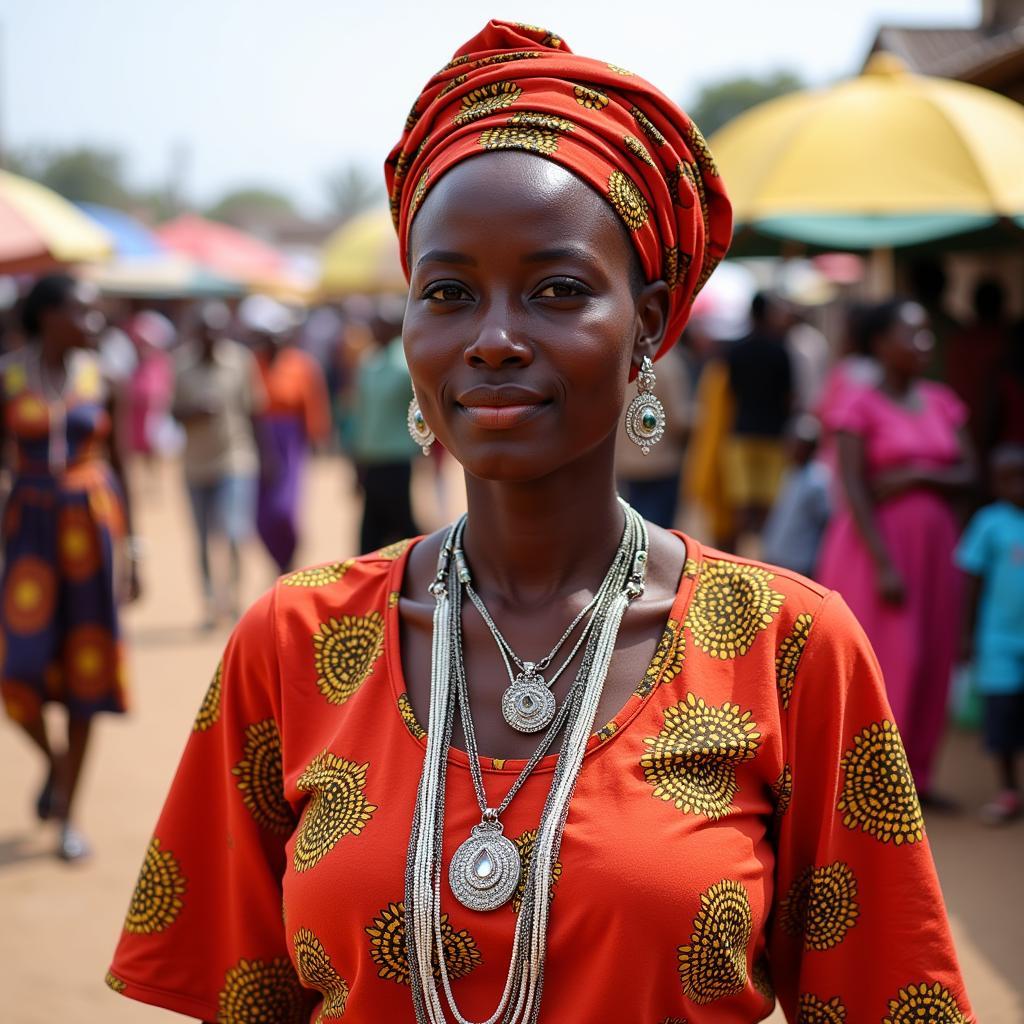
x=850 y=412
x=859 y=931
x=974 y=552
x=204 y=934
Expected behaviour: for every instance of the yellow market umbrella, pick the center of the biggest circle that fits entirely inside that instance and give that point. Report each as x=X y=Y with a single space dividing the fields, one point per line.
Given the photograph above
x=361 y=257
x=885 y=159
x=39 y=229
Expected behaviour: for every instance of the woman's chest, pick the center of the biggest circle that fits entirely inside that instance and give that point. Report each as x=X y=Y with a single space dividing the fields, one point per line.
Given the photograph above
x=671 y=815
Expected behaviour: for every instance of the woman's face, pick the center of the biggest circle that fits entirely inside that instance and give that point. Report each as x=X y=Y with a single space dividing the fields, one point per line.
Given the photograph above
x=76 y=322
x=524 y=316
x=906 y=346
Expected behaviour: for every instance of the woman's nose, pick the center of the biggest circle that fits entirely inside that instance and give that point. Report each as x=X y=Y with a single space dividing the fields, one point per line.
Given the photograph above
x=498 y=345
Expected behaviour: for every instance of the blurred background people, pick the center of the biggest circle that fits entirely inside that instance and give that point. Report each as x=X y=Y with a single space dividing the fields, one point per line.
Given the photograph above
x=796 y=524
x=991 y=553
x=928 y=285
x=972 y=363
x=295 y=418
x=651 y=483
x=153 y=432
x=65 y=518
x=903 y=456
x=761 y=385
x=381 y=446
x=216 y=395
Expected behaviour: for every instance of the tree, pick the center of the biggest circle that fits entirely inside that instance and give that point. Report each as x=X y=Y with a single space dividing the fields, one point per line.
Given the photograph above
x=82 y=173
x=352 y=189
x=245 y=206
x=719 y=102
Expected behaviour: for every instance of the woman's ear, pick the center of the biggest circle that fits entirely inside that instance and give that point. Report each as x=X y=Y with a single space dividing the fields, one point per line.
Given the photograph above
x=651 y=320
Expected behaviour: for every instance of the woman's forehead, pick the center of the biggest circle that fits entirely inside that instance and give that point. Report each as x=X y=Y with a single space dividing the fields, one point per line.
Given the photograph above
x=513 y=197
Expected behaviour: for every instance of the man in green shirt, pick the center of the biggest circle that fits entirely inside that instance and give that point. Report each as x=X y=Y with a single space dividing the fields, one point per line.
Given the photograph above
x=382 y=448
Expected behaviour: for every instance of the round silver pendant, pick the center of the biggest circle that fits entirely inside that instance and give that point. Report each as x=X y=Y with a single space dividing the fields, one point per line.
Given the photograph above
x=485 y=870
x=528 y=705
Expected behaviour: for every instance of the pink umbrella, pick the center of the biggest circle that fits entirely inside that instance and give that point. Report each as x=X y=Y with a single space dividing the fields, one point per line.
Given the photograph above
x=223 y=250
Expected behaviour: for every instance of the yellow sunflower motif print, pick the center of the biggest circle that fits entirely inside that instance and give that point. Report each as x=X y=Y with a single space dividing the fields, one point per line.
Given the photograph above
x=392 y=551
x=648 y=127
x=113 y=982
x=692 y=761
x=628 y=200
x=638 y=149
x=675 y=263
x=667 y=663
x=924 y=1004
x=813 y=1010
x=533 y=140
x=787 y=661
x=878 y=794
x=387 y=947
x=260 y=990
x=318 y=576
x=452 y=86
x=821 y=904
x=606 y=732
x=486 y=100
x=732 y=604
x=409 y=717
x=505 y=58
x=337 y=808
x=345 y=651
x=782 y=790
x=316 y=971
x=158 y=896
x=533 y=119
x=260 y=777
x=700 y=150
x=691 y=567
x=714 y=962
x=209 y=710
x=620 y=71
x=524 y=844
x=420 y=191
x=592 y=99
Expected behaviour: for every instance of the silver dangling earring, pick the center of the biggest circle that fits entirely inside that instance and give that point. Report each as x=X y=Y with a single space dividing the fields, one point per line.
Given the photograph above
x=645 y=417
x=419 y=431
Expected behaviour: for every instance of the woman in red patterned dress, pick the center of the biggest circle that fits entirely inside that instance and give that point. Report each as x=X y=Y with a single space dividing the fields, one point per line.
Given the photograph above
x=727 y=817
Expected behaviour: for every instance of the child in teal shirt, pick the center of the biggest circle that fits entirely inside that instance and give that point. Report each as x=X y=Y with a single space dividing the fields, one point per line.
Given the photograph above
x=991 y=552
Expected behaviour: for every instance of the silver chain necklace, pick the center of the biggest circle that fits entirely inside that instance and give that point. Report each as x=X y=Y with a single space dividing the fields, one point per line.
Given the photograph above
x=528 y=704
x=520 y=999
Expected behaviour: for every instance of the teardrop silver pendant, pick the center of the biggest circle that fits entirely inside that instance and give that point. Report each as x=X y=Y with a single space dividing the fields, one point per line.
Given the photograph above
x=485 y=870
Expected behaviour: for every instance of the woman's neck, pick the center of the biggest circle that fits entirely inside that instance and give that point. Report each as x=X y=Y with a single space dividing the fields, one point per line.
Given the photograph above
x=51 y=355
x=897 y=385
x=530 y=542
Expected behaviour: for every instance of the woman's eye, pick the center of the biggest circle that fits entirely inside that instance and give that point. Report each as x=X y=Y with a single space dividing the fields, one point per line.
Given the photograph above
x=446 y=293
x=560 y=290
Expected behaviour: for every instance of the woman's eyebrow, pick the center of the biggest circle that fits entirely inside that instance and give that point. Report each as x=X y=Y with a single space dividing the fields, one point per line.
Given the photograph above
x=563 y=252
x=446 y=256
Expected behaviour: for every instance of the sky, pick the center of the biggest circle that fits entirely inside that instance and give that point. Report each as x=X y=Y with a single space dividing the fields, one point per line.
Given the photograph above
x=237 y=93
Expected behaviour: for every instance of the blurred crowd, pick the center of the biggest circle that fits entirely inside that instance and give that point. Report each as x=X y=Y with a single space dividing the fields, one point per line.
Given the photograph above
x=885 y=460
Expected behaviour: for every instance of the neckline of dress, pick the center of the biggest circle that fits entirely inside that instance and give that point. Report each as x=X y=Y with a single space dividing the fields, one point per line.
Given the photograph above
x=634 y=703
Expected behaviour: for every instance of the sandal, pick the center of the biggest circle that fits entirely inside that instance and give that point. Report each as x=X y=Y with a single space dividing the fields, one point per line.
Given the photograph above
x=72 y=846
x=1004 y=808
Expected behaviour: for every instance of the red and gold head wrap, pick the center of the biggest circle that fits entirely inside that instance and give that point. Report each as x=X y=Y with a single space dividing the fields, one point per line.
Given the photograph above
x=520 y=87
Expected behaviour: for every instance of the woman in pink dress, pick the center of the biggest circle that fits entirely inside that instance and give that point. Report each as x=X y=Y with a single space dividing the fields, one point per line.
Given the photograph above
x=903 y=456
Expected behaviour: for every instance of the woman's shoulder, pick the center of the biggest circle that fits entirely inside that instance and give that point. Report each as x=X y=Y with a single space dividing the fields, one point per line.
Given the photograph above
x=356 y=585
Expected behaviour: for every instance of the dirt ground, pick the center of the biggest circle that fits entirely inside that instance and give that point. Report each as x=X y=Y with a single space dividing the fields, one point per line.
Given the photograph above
x=58 y=924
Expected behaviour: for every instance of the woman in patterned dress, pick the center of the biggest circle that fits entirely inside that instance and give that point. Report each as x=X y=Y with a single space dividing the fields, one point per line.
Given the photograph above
x=63 y=522
x=743 y=827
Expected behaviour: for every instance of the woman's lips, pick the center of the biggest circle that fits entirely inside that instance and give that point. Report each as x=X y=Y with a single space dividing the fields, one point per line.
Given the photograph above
x=501 y=417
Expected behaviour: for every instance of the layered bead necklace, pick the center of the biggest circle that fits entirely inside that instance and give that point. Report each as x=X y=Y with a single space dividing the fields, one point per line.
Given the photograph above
x=486 y=870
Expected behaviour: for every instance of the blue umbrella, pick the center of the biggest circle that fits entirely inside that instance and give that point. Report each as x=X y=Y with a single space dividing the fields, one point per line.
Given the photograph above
x=132 y=239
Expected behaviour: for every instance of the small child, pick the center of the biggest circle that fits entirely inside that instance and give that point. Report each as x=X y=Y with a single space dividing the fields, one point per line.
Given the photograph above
x=792 y=534
x=991 y=552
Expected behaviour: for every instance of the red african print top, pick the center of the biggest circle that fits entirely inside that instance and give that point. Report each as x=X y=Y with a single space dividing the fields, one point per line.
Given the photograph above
x=746 y=827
